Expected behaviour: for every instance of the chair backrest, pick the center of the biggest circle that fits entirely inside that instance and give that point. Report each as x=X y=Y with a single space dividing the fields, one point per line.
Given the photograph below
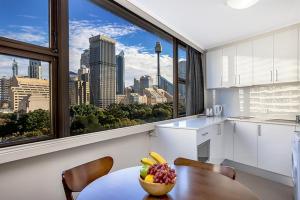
x=77 y=178
x=224 y=170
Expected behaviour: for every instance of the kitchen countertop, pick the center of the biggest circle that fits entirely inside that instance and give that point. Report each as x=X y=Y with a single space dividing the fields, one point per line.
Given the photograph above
x=202 y=122
x=263 y=121
x=194 y=123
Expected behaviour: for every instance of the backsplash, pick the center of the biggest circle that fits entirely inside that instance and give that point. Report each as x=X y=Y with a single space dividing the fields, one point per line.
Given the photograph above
x=281 y=101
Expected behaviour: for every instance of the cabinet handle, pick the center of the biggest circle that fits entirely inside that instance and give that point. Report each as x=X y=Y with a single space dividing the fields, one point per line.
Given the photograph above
x=259 y=130
x=219 y=129
x=234 y=127
x=271 y=73
x=204 y=134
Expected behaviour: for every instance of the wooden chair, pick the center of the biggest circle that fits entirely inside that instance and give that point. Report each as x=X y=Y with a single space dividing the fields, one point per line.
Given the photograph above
x=224 y=170
x=77 y=178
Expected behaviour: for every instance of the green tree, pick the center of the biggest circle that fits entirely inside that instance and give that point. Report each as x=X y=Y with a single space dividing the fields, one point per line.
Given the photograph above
x=35 y=120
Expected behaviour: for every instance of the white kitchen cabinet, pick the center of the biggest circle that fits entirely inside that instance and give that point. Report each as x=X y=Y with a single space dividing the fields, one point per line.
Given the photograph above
x=286 y=56
x=229 y=66
x=228 y=140
x=244 y=66
x=274 y=148
x=245 y=143
x=216 y=144
x=214 y=69
x=263 y=60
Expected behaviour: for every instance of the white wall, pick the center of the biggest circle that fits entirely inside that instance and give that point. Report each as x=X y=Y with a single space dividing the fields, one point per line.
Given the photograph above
x=280 y=101
x=40 y=177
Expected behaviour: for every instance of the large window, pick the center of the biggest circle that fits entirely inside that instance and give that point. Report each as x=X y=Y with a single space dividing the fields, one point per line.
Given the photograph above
x=70 y=67
x=120 y=74
x=181 y=80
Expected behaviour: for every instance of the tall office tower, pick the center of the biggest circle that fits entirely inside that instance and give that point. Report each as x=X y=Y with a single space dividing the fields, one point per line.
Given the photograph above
x=73 y=77
x=5 y=84
x=120 y=73
x=145 y=82
x=35 y=69
x=82 y=86
x=85 y=58
x=103 y=71
x=15 y=68
x=136 y=85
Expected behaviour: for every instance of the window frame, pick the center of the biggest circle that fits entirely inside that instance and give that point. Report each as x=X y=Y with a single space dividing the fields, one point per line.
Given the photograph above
x=57 y=54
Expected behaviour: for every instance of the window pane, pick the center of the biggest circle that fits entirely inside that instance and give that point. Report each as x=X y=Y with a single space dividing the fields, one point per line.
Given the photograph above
x=181 y=62
x=120 y=74
x=182 y=99
x=26 y=21
x=24 y=99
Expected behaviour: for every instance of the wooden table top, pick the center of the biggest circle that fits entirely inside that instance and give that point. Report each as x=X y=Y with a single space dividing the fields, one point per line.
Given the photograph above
x=191 y=184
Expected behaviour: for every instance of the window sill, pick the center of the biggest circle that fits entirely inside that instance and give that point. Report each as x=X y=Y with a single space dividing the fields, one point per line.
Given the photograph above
x=13 y=153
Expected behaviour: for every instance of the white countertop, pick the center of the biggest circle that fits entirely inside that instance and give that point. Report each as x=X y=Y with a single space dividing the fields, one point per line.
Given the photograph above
x=195 y=123
x=203 y=122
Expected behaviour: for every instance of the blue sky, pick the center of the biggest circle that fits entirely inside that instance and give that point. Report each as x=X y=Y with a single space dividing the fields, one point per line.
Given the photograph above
x=29 y=22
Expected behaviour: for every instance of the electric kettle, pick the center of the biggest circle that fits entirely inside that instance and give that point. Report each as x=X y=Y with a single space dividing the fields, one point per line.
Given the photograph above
x=218 y=110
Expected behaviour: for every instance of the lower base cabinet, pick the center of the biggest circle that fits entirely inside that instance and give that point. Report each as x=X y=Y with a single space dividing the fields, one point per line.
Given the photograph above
x=274 y=147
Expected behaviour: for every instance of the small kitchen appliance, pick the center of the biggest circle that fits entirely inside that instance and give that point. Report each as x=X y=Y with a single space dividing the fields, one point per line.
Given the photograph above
x=218 y=110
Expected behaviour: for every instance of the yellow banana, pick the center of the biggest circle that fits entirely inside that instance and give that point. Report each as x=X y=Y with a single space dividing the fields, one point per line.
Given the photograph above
x=147 y=161
x=158 y=158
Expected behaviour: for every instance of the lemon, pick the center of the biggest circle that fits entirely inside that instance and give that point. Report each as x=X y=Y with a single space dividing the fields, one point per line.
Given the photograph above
x=149 y=178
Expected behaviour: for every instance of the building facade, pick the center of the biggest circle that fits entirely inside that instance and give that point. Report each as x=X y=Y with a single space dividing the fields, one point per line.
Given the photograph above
x=22 y=87
x=15 y=68
x=82 y=86
x=35 y=69
x=5 y=84
x=145 y=82
x=85 y=58
x=166 y=85
x=120 y=61
x=103 y=71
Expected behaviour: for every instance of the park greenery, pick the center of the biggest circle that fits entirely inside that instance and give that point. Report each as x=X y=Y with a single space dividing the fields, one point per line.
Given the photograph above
x=84 y=119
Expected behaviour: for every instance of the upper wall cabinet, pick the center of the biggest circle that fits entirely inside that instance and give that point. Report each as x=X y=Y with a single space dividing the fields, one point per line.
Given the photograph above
x=244 y=66
x=229 y=66
x=263 y=60
x=214 y=69
x=286 y=56
x=274 y=58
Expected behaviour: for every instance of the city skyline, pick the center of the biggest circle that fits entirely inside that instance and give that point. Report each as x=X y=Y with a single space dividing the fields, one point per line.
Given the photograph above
x=137 y=44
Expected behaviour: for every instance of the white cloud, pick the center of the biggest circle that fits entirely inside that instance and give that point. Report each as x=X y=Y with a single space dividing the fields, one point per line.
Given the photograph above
x=138 y=62
x=30 y=34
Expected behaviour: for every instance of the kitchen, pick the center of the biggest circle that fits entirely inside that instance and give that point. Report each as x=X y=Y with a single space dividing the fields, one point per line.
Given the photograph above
x=252 y=102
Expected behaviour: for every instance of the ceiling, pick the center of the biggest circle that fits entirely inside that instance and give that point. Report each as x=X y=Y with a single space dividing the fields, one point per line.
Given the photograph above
x=210 y=23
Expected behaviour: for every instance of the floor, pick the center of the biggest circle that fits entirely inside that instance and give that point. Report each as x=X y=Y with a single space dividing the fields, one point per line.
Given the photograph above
x=264 y=188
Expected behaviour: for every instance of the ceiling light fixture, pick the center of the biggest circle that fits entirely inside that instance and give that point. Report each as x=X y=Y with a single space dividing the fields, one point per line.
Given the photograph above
x=241 y=4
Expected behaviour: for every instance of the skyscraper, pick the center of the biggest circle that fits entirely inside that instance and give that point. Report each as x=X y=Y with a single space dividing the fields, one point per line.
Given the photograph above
x=145 y=82
x=120 y=73
x=85 y=58
x=15 y=68
x=73 y=78
x=5 y=84
x=82 y=86
x=166 y=85
x=103 y=71
x=35 y=69
x=136 y=85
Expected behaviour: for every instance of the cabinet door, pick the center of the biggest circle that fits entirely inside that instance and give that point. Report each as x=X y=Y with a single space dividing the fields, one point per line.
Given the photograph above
x=216 y=147
x=263 y=60
x=244 y=68
x=228 y=66
x=228 y=140
x=274 y=148
x=213 y=68
x=245 y=143
x=286 y=56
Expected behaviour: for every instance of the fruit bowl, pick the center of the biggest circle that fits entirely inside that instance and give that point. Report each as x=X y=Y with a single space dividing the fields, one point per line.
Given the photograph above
x=156 y=189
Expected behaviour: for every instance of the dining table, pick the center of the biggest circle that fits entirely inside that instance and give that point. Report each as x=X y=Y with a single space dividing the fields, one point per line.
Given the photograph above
x=191 y=184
